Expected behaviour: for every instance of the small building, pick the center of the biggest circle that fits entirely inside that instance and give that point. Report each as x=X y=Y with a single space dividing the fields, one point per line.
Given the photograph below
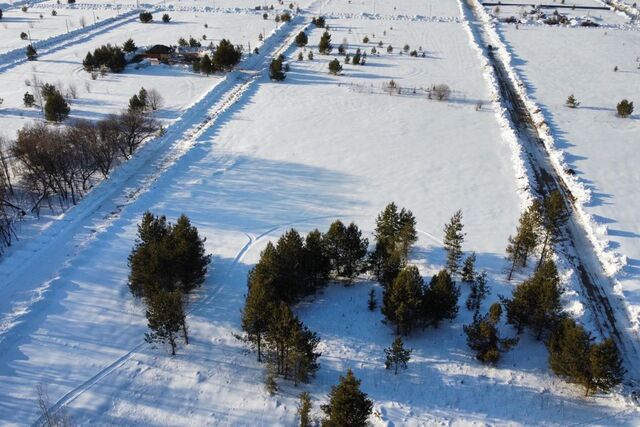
x=159 y=52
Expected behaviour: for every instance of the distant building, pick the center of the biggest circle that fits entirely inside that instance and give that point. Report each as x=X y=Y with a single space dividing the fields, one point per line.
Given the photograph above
x=159 y=52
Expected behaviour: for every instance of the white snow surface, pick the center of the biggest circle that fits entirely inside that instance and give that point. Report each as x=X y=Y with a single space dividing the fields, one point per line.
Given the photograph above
x=247 y=160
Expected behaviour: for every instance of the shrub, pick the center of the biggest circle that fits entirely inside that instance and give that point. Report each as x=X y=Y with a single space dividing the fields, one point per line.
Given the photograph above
x=318 y=22
x=335 y=67
x=29 y=100
x=625 y=108
x=54 y=13
x=365 y=40
x=23 y=36
x=285 y=17
x=146 y=17
x=31 y=52
x=24 y=8
x=441 y=92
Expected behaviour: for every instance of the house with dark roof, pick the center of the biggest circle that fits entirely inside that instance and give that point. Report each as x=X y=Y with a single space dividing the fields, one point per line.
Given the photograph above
x=159 y=52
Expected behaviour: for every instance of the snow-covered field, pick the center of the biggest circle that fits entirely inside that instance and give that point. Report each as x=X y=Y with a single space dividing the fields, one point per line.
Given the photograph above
x=254 y=158
x=178 y=85
x=593 y=141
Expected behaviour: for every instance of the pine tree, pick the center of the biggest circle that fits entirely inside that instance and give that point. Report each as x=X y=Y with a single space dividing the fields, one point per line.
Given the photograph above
x=536 y=302
x=573 y=356
x=206 y=65
x=397 y=355
x=334 y=67
x=310 y=56
x=324 y=47
x=128 y=46
x=606 y=366
x=402 y=301
x=453 y=239
x=348 y=406
x=478 y=292
x=189 y=256
x=88 y=63
x=345 y=249
x=270 y=383
x=372 y=304
x=483 y=337
x=56 y=108
x=29 y=100
x=275 y=69
x=166 y=18
x=302 y=39
x=316 y=265
x=624 y=107
x=572 y=102
x=440 y=300
x=553 y=217
x=165 y=316
x=395 y=234
x=31 y=52
x=468 y=268
x=226 y=55
x=526 y=239
x=256 y=314
x=304 y=409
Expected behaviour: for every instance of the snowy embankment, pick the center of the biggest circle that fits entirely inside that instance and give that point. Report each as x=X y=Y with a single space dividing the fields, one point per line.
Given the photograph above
x=612 y=261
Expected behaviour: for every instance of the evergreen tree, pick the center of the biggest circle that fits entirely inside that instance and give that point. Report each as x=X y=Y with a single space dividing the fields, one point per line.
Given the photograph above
x=478 y=292
x=325 y=47
x=402 y=301
x=572 y=355
x=226 y=55
x=88 y=62
x=56 y=108
x=526 y=239
x=345 y=249
x=302 y=39
x=310 y=56
x=372 y=304
x=536 y=302
x=256 y=313
x=552 y=218
x=453 y=239
x=270 y=382
x=31 y=52
x=304 y=409
x=348 y=406
x=316 y=265
x=440 y=299
x=397 y=355
x=29 y=100
x=135 y=104
x=165 y=317
x=146 y=17
x=395 y=234
x=334 y=67
x=275 y=69
x=188 y=256
x=624 y=107
x=206 y=66
x=128 y=46
x=483 y=337
x=468 y=268
x=572 y=102
x=166 y=18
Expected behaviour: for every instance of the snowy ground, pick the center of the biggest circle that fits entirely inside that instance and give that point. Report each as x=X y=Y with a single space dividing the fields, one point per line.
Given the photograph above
x=272 y=156
x=178 y=86
x=599 y=146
